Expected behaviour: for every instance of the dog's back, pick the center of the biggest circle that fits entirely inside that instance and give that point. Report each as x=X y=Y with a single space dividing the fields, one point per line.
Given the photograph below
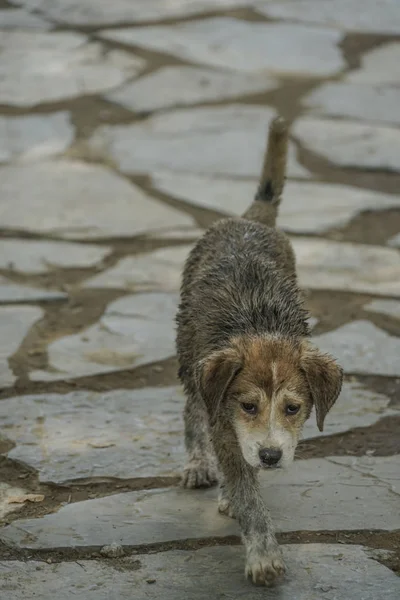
x=240 y=277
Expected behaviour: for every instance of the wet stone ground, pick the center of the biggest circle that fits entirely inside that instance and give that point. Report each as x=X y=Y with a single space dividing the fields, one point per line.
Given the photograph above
x=126 y=128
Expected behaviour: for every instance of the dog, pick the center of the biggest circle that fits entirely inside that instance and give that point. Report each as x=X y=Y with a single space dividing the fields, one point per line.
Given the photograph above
x=250 y=375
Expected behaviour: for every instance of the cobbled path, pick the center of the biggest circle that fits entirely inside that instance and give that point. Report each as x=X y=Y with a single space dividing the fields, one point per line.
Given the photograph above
x=126 y=129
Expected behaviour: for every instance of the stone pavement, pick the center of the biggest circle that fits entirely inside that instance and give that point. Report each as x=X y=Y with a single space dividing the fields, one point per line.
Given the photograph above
x=126 y=128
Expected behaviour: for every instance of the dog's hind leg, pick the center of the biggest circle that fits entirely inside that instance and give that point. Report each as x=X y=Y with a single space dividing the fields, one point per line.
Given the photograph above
x=200 y=470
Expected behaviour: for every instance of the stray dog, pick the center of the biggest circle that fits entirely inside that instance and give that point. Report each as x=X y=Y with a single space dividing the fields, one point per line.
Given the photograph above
x=250 y=375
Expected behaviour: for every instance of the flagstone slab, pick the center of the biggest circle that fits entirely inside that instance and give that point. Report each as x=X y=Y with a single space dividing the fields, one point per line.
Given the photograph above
x=133 y=433
x=184 y=86
x=21 y=19
x=75 y=200
x=49 y=67
x=218 y=140
x=324 y=264
x=391 y=308
x=306 y=207
x=325 y=571
x=350 y=144
x=386 y=470
x=287 y=49
x=134 y=330
x=15 y=322
x=355 y=101
x=346 y=500
x=101 y=12
x=34 y=137
x=357 y=406
x=157 y=271
x=358 y=15
x=379 y=66
x=122 y=433
x=12 y=293
x=361 y=347
x=31 y=256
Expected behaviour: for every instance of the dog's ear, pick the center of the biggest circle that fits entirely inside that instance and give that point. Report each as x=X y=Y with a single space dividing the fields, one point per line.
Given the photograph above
x=324 y=377
x=214 y=375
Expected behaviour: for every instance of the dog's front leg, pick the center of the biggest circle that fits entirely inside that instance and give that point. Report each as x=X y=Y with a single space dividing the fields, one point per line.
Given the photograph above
x=264 y=563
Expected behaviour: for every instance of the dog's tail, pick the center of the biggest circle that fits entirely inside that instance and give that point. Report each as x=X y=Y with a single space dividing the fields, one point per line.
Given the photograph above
x=266 y=202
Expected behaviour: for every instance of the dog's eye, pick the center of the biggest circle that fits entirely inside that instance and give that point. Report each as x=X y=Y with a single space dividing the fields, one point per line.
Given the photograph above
x=292 y=409
x=250 y=409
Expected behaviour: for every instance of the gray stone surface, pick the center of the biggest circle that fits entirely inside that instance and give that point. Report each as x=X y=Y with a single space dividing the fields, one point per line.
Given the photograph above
x=15 y=322
x=385 y=470
x=361 y=347
x=350 y=144
x=122 y=433
x=357 y=406
x=356 y=101
x=183 y=86
x=391 y=308
x=11 y=293
x=223 y=140
x=21 y=19
x=357 y=15
x=324 y=264
x=346 y=499
x=395 y=241
x=34 y=137
x=312 y=322
x=243 y=46
x=80 y=201
x=48 y=67
x=306 y=208
x=379 y=66
x=31 y=256
x=134 y=330
x=125 y=433
x=316 y=571
x=101 y=12
x=157 y=271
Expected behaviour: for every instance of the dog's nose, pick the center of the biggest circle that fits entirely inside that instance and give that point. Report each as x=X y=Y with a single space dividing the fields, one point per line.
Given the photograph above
x=270 y=456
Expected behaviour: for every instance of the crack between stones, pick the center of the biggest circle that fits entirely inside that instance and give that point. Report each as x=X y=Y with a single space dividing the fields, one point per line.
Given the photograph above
x=242 y=13
x=17 y=474
x=376 y=539
x=382 y=483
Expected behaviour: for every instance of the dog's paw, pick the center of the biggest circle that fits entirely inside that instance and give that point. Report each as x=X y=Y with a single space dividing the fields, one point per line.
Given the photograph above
x=224 y=506
x=266 y=567
x=199 y=474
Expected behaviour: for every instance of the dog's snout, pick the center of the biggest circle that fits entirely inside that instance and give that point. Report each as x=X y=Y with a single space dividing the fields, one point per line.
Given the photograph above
x=270 y=456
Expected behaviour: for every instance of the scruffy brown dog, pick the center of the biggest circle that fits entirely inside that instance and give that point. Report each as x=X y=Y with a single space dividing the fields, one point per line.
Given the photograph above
x=249 y=373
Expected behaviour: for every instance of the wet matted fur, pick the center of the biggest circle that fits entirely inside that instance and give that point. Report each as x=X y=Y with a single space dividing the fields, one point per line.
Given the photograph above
x=250 y=374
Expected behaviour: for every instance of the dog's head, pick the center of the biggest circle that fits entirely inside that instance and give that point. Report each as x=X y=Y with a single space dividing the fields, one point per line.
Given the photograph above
x=266 y=388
